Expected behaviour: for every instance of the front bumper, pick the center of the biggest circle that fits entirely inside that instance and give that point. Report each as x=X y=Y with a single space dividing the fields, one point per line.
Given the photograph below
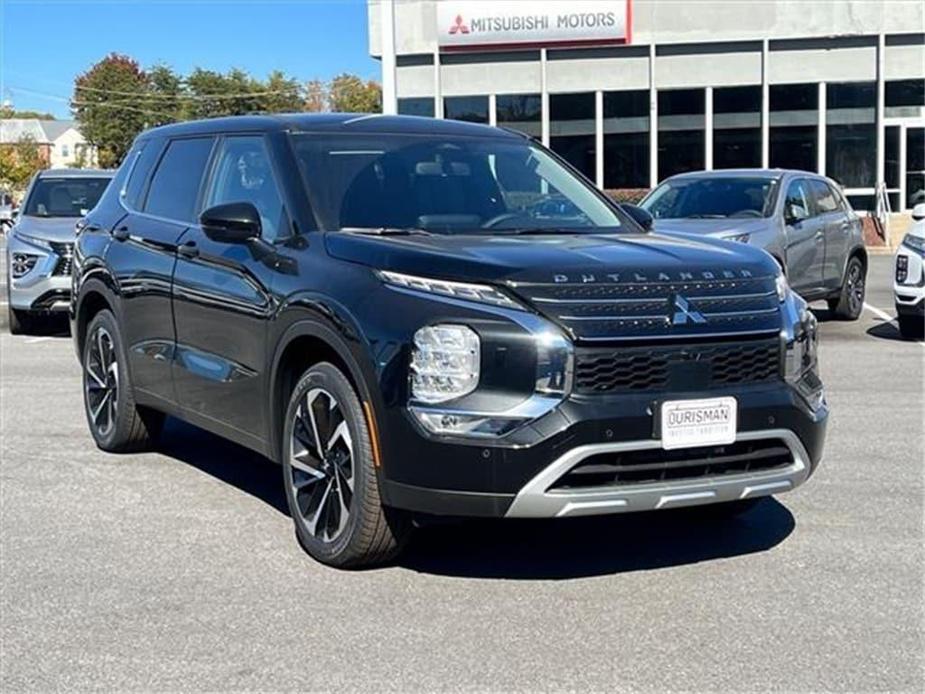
x=519 y=480
x=46 y=288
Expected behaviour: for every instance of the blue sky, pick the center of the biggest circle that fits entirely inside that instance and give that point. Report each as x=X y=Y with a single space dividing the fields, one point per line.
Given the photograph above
x=44 y=44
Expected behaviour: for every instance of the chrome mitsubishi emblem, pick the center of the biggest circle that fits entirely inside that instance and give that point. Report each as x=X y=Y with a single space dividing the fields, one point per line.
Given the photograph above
x=684 y=313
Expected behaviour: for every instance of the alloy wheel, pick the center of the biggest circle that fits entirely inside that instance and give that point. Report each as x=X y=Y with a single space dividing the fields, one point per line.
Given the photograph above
x=101 y=381
x=855 y=288
x=321 y=469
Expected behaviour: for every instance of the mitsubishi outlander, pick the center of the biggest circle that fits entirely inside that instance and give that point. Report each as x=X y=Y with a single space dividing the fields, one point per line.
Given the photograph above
x=418 y=318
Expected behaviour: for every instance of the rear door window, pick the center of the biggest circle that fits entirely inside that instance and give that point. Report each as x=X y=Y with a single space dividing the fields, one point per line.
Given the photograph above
x=824 y=197
x=175 y=187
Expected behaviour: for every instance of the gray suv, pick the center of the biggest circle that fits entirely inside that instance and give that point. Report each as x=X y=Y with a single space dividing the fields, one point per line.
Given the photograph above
x=800 y=218
x=41 y=244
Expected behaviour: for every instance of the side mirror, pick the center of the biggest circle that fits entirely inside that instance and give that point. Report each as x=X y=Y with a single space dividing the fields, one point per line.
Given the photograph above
x=918 y=212
x=793 y=214
x=233 y=222
x=639 y=215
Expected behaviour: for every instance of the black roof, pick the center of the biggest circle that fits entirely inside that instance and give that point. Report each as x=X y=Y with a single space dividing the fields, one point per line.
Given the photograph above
x=331 y=123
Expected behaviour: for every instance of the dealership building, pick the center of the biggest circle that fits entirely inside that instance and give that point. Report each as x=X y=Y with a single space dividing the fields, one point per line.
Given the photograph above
x=633 y=91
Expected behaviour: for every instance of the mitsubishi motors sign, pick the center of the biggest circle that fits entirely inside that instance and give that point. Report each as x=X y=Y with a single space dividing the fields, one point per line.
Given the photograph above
x=481 y=24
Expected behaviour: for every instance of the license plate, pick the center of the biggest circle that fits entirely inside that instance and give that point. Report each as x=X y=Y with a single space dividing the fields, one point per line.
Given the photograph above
x=692 y=423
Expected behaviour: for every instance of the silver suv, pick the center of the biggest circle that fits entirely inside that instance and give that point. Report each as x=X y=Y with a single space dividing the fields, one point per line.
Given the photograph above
x=41 y=243
x=800 y=218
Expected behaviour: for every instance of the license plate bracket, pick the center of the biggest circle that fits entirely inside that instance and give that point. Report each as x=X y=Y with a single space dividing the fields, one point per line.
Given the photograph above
x=695 y=423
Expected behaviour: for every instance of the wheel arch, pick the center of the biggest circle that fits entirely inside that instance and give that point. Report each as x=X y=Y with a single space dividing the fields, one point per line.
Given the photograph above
x=95 y=295
x=304 y=343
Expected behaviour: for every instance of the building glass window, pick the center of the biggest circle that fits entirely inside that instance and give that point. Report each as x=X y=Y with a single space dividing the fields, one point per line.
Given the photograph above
x=794 y=126
x=681 y=131
x=915 y=166
x=523 y=112
x=473 y=109
x=904 y=98
x=416 y=106
x=736 y=127
x=572 y=130
x=626 y=139
x=851 y=134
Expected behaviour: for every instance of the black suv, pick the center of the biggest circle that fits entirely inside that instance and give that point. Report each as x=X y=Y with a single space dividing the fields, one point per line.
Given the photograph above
x=418 y=317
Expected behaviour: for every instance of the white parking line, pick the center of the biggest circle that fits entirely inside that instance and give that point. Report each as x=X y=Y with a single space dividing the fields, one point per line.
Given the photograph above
x=33 y=340
x=881 y=314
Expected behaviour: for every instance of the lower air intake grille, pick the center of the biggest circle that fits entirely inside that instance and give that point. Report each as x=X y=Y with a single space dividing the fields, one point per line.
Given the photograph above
x=687 y=367
x=657 y=465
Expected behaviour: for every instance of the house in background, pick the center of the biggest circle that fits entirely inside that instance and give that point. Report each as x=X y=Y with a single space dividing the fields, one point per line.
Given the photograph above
x=59 y=141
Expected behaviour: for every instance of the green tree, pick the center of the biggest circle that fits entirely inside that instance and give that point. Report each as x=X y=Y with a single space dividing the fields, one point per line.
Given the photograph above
x=165 y=95
x=350 y=94
x=281 y=94
x=110 y=106
x=18 y=162
x=10 y=112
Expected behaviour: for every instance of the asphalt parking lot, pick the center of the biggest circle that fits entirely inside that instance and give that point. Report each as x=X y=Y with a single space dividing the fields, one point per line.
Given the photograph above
x=178 y=570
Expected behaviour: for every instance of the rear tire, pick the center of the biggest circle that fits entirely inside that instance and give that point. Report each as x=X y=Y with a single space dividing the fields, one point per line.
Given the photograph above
x=850 y=301
x=911 y=327
x=330 y=479
x=116 y=423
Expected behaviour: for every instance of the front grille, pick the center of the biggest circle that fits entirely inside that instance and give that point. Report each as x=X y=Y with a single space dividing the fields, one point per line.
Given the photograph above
x=641 y=310
x=657 y=465
x=676 y=367
x=65 y=253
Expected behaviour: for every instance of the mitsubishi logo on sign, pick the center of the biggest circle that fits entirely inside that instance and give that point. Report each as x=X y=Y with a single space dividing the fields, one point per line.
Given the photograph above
x=685 y=313
x=506 y=23
x=459 y=26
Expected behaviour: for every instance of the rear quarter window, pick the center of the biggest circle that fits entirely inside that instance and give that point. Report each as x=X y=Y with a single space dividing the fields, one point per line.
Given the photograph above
x=140 y=164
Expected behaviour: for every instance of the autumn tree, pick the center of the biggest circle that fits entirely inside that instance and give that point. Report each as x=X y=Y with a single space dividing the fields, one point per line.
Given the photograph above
x=350 y=94
x=110 y=106
x=18 y=162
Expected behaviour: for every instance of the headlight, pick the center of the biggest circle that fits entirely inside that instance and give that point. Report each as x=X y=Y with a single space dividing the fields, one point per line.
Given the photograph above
x=22 y=264
x=445 y=363
x=783 y=287
x=34 y=240
x=915 y=243
x=741 y=238
x=902 y=268
x=457 y=290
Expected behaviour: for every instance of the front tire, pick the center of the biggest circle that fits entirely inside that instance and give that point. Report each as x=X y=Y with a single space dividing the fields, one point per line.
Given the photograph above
x=911 y=327
x=330 y=478
x=116 y=423
x=850 y=301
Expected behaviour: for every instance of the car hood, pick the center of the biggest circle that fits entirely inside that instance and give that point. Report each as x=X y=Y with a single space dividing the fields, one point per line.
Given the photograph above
x=597 y=286
x=712 y=227
x=59 y=229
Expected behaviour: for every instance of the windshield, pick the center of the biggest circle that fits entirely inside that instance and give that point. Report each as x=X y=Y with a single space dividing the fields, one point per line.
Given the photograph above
x=455 y=185
x=64 y=197
x=712 y=198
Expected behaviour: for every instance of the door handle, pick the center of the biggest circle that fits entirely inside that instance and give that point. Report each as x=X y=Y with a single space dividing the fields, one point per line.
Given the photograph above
x=189 y=250
x=120 y=234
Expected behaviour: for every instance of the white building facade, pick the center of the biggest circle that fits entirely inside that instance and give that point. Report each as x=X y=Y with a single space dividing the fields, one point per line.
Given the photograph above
x=634 y=91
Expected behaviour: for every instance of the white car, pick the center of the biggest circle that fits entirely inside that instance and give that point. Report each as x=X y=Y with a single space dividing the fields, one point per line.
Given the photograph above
x=909 y=277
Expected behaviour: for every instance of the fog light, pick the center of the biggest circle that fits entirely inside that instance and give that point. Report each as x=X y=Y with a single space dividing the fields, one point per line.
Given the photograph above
x=445 y=363
x=22 y=264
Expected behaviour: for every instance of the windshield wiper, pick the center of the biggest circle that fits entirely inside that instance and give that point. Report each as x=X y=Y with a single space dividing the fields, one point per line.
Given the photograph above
x=705 y=216
x=386 y=231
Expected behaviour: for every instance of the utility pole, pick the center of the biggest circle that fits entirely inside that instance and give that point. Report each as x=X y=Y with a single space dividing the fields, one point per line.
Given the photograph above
x=389 y=76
